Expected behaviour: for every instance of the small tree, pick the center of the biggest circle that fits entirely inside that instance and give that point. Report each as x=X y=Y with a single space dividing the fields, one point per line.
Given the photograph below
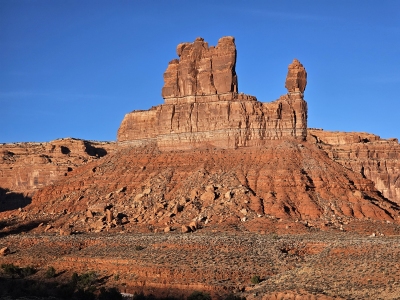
x=196 y=295
x=234 y=297
x=87 y=280
x=51 y=272
x=27 y=271
x=109 y=294
x=10 y=269
x=255 y=279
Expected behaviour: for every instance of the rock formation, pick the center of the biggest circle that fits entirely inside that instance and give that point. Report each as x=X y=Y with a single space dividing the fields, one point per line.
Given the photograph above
x=202 y=106
x=284 y=180
x=296 y=79
x=25 y=167
x=233 y=164
x=202 y=70
x=374 y=158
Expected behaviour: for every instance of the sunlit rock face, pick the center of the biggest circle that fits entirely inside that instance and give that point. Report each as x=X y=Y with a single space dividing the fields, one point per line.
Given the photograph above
x=203 y=107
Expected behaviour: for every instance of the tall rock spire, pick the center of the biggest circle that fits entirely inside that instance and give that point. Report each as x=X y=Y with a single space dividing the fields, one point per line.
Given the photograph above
x=202 y=70
x=296 y=79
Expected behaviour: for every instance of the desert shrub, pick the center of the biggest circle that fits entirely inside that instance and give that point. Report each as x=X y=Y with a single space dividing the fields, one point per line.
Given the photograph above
x=65 y=291
x=196 y=295
x=51 y=272
x=109 y=294
x=27 y=271
x=255 y=279
x=275 y=236
x=84 y=295
x=37 y=289
x=141 y=296
x=74 y=279
x=233 y=297
x=87 y=280
x=10 y=269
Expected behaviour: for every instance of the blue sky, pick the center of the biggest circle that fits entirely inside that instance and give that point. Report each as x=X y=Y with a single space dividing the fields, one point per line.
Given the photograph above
x=75 y=68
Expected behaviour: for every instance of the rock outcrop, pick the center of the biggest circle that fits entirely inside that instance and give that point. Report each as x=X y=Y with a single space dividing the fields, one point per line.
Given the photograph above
x=283 y=180
x=296 y=79
x=202 y=70
x=374 y=158
x=25 y=167
x=202 y=106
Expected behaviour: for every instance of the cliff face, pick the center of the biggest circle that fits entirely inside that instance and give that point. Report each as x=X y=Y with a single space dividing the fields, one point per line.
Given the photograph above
x=242 y=121
x=202 y=106
x=375 y=158
x=25 y=167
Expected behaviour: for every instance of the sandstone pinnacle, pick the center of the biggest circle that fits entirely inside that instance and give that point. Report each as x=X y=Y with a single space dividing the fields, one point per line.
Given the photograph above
x=296 y=79
x=202 y=70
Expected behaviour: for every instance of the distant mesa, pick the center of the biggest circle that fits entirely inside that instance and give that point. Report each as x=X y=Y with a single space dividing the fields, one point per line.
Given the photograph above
x=203 y=107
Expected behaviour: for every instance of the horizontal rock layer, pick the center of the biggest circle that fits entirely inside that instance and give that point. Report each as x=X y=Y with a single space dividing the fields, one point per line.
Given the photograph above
x=375 y=158
x=235 y=120
x=25 y=167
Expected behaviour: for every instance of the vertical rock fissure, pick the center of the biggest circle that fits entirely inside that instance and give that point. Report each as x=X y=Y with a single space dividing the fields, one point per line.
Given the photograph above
x=172 y=117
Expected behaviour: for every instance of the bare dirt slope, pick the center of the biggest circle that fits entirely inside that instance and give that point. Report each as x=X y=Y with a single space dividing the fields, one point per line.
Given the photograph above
x=284 y=181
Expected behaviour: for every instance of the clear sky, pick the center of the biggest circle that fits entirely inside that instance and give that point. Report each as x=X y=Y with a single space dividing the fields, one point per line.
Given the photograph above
x=75 y=68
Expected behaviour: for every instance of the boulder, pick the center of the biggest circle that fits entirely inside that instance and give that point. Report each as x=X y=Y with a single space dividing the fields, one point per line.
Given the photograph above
x=4 y=251
x=208 y=196
x=64 y=231
x=193 y=226
x=89 y=214
x=109 y=216
x=185 y=229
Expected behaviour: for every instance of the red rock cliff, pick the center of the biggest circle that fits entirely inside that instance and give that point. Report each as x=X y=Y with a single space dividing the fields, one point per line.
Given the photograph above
x=25 y=167
x=375 y=158
x=202 y=106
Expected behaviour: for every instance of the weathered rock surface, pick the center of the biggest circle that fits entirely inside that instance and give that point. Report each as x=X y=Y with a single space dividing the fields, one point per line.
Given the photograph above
x=223 y=124
x=202 y=70
x=26 y=167
x=374 y=158
x=4 y=251
x=296 y=79
x=284 y=180
x=202 y=106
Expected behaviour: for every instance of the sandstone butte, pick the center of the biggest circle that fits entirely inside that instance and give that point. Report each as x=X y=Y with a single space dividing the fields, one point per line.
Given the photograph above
x=210 y=159
x=203 y=106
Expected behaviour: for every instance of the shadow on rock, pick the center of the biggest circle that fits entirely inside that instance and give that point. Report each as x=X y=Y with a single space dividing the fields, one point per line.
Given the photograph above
x=10 y=200
x=13 y=227
x=93 y=151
